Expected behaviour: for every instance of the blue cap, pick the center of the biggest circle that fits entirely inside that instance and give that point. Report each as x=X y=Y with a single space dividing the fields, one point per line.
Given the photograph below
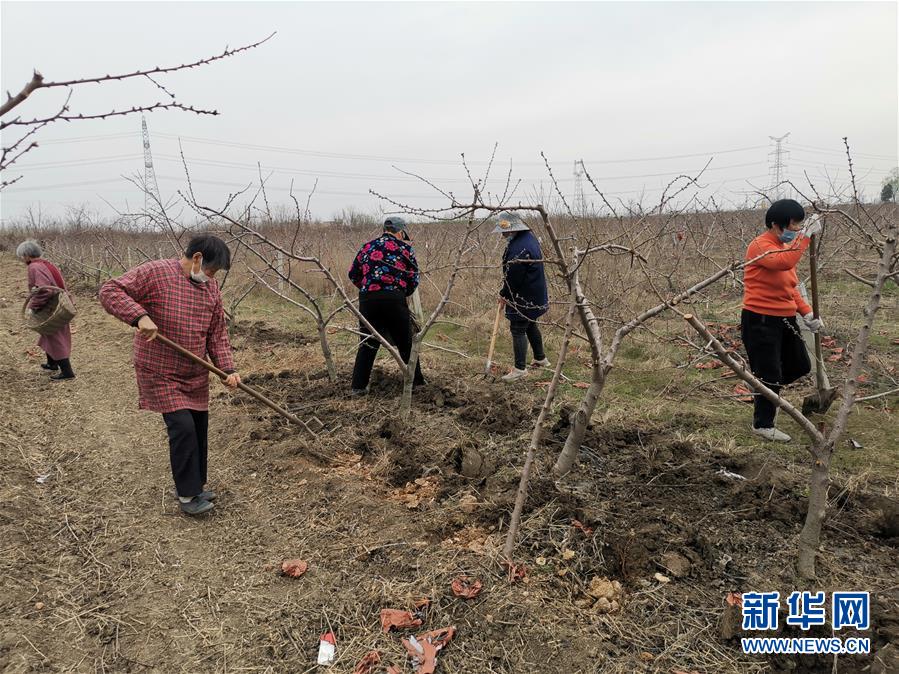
x=395 y=224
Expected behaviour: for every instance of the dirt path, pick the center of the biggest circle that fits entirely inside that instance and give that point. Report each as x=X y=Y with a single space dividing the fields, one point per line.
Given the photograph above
x=99 y=543
x=99 y=569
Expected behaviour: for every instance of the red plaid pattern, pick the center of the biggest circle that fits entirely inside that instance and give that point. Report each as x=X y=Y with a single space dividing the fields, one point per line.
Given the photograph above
x=188 y=313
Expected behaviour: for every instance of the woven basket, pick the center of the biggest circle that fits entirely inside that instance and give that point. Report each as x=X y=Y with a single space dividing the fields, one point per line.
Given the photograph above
x=53 y=316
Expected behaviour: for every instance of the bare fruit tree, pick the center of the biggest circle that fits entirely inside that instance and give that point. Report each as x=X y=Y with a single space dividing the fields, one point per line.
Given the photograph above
x=277 y=274
x=876 y=232
x=251 y=237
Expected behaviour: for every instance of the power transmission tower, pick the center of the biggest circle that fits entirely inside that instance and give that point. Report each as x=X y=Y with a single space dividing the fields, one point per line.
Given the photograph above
x=151 y=187
x=580 y=202
x=778 y=167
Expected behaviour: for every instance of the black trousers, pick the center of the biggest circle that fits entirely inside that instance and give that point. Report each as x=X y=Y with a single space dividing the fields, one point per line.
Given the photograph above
x=524 y=331
x=777 y=356
x=188 y=431
x=388 y=313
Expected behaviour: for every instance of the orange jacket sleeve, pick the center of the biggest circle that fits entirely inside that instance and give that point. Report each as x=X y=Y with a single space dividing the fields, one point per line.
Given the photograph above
x=781 y=259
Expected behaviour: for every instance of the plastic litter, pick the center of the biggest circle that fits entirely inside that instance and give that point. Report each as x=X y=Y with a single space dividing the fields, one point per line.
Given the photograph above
x=367 y=664
x=294 y=567
x=327 y=648
x=423 y=649
x=724 y=472
x=465 y=587
x=392 y=618
x=516 y=571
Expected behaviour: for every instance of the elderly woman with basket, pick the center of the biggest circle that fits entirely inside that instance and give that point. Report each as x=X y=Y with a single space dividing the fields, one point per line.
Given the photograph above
x=48 y=310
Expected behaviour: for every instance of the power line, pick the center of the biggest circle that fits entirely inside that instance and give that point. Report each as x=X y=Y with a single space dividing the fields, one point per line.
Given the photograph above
x=61 y=185
x=119 y=179
x=112 y=136
x=78 y=162
x=84 y=139
x=813 y=148
x=801 y=161
x=337 y=174
x=366 y=157
x=798 y=160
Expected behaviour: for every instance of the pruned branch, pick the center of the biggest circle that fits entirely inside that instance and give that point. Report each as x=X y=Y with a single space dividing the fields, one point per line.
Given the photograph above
x=106 y=115
x=37 y=80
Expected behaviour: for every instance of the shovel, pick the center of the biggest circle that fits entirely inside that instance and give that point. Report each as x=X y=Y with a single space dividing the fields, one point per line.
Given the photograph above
x=499 y=312
x=243 y=387
x=821 y=400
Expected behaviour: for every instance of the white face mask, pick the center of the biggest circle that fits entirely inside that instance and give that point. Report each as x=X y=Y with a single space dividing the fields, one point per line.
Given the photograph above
x=198 y=276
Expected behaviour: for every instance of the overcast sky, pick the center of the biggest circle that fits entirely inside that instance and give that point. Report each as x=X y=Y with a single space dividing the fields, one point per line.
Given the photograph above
x=350 y=92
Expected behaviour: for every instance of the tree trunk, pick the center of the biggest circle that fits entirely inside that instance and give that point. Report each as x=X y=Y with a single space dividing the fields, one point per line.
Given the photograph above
x=326 y=352
x=810 y=538
x=579 y=421
x=409 y=377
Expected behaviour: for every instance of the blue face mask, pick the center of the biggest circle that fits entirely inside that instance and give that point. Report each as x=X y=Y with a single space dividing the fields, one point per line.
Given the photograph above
x=788 y=235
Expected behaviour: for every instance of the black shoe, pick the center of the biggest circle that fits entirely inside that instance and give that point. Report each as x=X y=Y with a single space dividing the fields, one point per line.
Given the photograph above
x=359 y=392
x=196 y=506
x=62 y=376
x=47 y=366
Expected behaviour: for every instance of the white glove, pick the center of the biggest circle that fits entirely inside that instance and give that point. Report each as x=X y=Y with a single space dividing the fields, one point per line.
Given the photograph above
x=812 y=323
x=29 y=312
x=813 y=225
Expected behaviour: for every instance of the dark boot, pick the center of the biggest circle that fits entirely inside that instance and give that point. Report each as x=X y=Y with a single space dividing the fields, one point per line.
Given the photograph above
x=50 y=364
x=65 y=371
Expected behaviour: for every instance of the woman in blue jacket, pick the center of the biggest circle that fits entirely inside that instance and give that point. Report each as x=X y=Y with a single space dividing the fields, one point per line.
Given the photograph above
x=523 y=293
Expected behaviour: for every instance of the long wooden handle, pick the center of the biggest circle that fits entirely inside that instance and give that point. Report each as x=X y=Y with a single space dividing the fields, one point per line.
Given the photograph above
x=813 y=269
x=416 y=306
x=224 y=375
x=816 y=312
x=499 y=311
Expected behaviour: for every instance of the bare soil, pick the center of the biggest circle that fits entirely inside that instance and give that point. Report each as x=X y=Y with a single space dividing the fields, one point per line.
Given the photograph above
x=99 y=571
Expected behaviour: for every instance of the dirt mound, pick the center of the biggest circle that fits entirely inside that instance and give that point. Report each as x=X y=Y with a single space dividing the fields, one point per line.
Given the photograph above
x=261 y=333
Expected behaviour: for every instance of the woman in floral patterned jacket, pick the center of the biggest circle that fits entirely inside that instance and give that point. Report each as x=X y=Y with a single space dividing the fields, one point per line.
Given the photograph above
x=386 y=273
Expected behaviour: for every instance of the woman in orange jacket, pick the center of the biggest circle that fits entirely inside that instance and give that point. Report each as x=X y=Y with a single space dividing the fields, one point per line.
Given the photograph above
x=771 y=301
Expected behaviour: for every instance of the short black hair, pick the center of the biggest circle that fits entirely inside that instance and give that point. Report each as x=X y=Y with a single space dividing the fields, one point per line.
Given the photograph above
x=782 y=212
x=215 y=252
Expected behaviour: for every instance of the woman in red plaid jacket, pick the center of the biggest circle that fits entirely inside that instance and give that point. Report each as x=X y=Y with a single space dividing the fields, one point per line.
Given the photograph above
x=180 y=299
